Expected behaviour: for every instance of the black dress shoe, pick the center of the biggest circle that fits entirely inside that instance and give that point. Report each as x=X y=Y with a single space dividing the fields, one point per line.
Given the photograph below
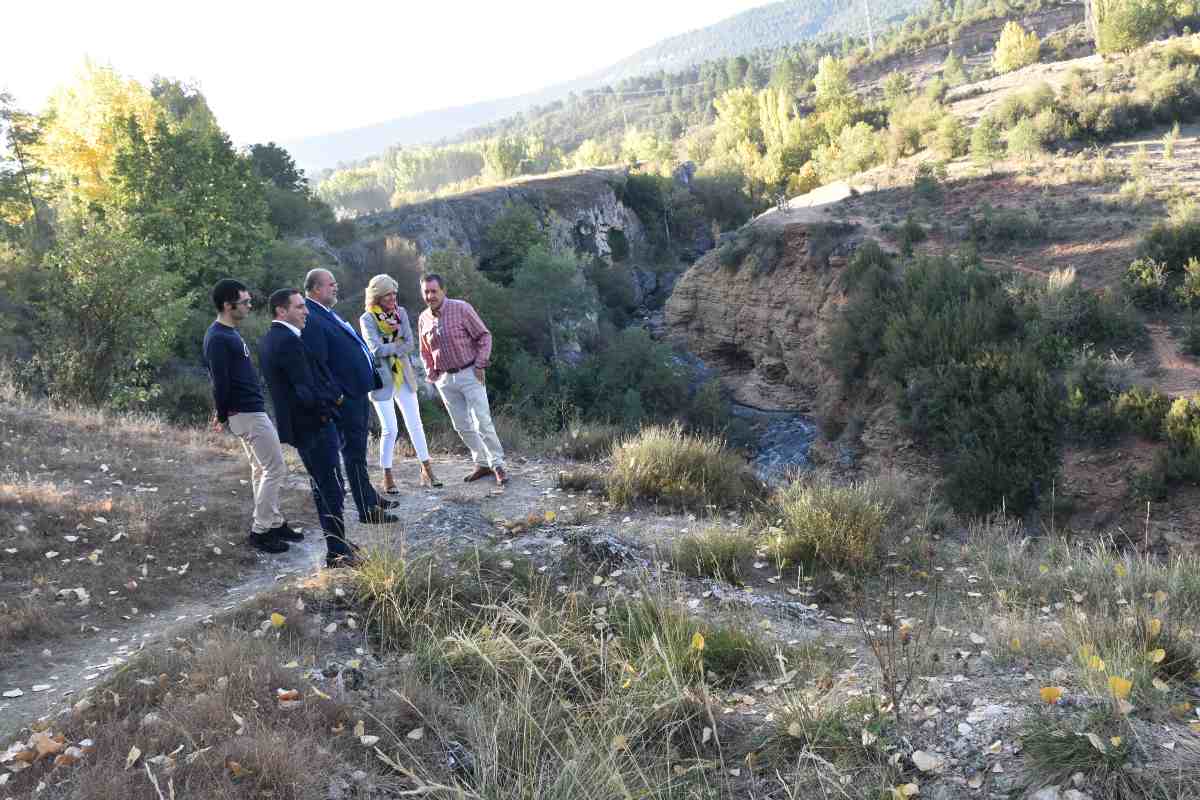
x=377 y=516
x=286 y=533
x=343 y=561
x=267 y=542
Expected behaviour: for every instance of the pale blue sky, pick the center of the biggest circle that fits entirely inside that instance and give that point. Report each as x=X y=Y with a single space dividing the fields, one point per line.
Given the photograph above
x=274 y=70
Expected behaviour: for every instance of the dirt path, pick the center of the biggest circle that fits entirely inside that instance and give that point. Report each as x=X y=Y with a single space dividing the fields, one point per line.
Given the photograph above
x=447 y=520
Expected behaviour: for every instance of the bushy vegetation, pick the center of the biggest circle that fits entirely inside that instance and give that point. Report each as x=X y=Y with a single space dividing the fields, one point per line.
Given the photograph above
x=122 y=205
x=971 y=363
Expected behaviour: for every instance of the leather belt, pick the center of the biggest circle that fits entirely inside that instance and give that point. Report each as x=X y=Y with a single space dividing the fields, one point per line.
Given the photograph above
x=458 y=369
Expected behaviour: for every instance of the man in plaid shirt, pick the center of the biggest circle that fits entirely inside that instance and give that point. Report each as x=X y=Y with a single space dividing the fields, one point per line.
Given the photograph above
x=456 y=346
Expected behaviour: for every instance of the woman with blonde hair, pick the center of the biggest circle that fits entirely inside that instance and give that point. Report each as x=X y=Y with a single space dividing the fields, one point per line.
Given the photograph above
x=387 y=331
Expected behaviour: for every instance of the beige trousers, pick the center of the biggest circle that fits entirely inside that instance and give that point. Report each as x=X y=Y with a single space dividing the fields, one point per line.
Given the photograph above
x=267 y=469
x=466 y=401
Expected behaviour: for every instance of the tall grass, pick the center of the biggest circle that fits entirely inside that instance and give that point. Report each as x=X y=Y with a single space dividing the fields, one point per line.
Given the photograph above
x=820 y=521
x=682 y=470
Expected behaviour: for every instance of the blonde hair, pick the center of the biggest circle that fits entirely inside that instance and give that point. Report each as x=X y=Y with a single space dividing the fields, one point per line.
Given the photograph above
x=378 y=287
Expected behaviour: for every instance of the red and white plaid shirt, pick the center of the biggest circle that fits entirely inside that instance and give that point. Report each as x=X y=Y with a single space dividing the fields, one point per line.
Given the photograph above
x=455 y=339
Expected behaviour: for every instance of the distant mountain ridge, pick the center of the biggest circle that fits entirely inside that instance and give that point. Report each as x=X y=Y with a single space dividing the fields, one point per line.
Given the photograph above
x=770 y=26
x=766 y=27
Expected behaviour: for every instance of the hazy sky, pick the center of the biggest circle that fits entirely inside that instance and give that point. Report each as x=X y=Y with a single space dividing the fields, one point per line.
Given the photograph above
x=273 y=70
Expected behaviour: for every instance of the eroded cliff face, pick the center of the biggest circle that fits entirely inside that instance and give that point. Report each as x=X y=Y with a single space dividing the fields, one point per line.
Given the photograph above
x=580 y=211
x=761 y=320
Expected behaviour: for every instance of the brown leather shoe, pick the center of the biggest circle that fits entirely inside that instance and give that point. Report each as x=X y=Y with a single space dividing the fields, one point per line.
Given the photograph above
x=480 y=472
x=501 y=475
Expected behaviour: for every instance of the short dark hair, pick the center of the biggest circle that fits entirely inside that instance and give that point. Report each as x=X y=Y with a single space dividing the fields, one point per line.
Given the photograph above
x=281 y=298
x=227 y=290
x=430 y=277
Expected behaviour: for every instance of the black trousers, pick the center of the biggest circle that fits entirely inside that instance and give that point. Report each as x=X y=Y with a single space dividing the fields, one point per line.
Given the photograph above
x=320 y=456
x=352 y=429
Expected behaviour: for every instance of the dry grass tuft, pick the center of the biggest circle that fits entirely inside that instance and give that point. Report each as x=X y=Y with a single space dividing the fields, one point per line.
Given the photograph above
x=822 y=522
x=681 y=470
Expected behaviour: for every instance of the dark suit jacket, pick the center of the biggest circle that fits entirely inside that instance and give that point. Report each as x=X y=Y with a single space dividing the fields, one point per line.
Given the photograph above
x=340 y=349
x=302 y=390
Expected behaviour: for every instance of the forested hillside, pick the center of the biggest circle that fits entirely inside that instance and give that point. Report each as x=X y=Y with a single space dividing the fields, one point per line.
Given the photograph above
x=695 y=114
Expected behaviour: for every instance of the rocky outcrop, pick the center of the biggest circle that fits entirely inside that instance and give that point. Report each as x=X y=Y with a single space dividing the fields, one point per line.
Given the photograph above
x=580 y=211
x=758 y=311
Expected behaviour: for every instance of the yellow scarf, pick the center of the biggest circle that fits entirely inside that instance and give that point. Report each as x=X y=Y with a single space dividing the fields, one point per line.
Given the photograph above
x=389 y=330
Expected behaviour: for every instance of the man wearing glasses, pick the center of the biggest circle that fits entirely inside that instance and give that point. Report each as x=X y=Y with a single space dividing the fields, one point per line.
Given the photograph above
x=239 y=404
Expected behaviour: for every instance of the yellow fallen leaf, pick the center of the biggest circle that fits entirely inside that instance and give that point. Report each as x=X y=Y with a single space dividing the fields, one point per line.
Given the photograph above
x=550 y=517
x=360 y=729
x=906 y=790
x=1119 y=686
x=619 y=742
x=697 y=641
x=134 y=755
x=1156 y=656
x=1194 y=727
x=277 y=619
x=1096 y=663
x=1051 y=694
x=1120 y=570
x=1116 y=741
x=1155 y=627
x=47 y=745
x=1015 y=644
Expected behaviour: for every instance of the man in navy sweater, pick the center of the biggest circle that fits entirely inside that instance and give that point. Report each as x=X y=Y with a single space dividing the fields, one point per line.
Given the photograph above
x=238 y=403
x=338 y=347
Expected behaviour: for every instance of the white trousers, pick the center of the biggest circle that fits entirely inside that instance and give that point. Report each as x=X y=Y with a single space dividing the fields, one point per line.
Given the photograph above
x=406 y=398
x=466 y=402
x=267 y=468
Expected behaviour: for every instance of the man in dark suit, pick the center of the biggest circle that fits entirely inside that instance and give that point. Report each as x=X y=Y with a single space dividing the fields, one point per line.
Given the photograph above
x=337 y=345
x=307 y=401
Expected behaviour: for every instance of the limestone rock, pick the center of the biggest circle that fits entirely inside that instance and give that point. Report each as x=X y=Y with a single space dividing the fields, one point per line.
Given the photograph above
x=761 y=323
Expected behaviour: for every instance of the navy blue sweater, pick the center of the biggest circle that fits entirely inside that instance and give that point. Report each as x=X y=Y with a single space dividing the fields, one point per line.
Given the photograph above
x=236 y=389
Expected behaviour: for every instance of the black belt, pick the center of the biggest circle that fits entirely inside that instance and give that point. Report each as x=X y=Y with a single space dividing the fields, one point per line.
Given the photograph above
x=458 y=369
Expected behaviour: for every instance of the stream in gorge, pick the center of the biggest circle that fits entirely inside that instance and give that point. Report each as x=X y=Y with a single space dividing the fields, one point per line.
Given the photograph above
x=780 y=441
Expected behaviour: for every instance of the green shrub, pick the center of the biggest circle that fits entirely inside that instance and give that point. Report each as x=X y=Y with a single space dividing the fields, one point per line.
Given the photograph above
x=1025 y=141
x=630 y=379
x=1080 y=316
x=1146 y=281
x=1003 y=227
x=1174 y=241
x=996 y=421
x=987 y=147
x=911 y=233
x=821 y=522
x=946 y=311
x=951 y=138
x=681 y=470
x=1181 y=424
x=1143 y=410
x=855 y=343
x=715 y=553
x=927 y=183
